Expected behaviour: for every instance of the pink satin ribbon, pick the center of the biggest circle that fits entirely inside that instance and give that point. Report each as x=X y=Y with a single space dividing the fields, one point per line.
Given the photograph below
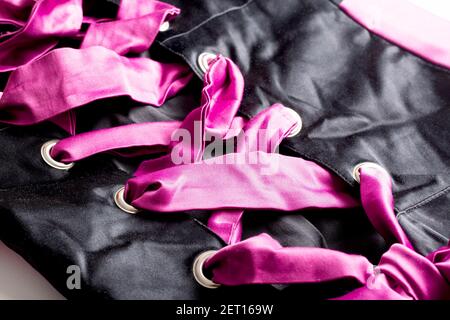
x=15 y=12
x=39 y=25
x=405 y=24
x=48 y=21
x=52 y=86
x=296 y=184
x=60 y=81
x=276 y=123
x=148 y=137
x=262 y=260
x=145 y=138
x=215 y=117
x=128 y=140
x=134 y=30
x=378 y=203
x=401 y=273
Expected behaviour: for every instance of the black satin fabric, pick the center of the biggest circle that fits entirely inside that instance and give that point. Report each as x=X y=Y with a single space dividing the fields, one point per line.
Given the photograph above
x=361 y=99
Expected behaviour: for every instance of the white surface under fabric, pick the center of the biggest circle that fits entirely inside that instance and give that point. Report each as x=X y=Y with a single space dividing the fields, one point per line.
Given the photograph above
x=440 y=8
x=18 y=280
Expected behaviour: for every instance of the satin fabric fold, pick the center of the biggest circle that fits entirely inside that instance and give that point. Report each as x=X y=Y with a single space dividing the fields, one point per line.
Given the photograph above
x=147 y=138
x=295 y=185
x=275 y=123
x=49 y=21
x=220 y=100
x=15 y=12
x=378 y=203
x=136 y=27
x=60 y=81
x=143 y=138
x=406 y=24
x=261 y=259
x=402 y=274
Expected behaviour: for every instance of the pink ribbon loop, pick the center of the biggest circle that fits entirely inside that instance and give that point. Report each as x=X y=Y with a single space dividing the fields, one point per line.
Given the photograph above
x=378 y=203
x=144 y=138
x=406 y=275
x=402 y=274
x=262 y=260
x=264 y=132
x=295 y=184
x=214 y=117
x=60 y=82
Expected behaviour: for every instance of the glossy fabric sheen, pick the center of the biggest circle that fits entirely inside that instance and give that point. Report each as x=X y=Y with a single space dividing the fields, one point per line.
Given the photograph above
x=404 y=24
x=361 y=97
x=35 y=93
x=377 y=201
x=48 y=21
x=263 y=260
x=171 y=190
x=255 y=127
x=272 y=120
x=401 y=274
x=151 y=137
x=86 y=248
x=220 y=100
x=297 y=184
x=135 y=28
x=70 y=218
x=102 y=235
x=276 y=123
x=407 y=275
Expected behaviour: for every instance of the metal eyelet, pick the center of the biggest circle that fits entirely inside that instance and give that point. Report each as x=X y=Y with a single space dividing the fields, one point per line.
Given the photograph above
x=299 y=122
x=356 y=174
x=46 y=156
x=203 y=60
x=119 y=199
x=164 y=26
x=197 y=270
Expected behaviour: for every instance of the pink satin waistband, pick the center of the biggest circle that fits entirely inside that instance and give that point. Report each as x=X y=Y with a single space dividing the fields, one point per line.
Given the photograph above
x=406 y=25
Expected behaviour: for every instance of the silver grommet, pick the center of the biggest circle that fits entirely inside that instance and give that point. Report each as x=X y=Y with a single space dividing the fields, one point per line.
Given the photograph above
x=119 y=199
x=197 y=270
x=203 y=60
x=164 y=26
x=298 y=121
x=356 y=174
x=45 y=153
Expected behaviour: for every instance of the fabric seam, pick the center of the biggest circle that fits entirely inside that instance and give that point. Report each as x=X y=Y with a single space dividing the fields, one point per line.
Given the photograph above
x=217 y=15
